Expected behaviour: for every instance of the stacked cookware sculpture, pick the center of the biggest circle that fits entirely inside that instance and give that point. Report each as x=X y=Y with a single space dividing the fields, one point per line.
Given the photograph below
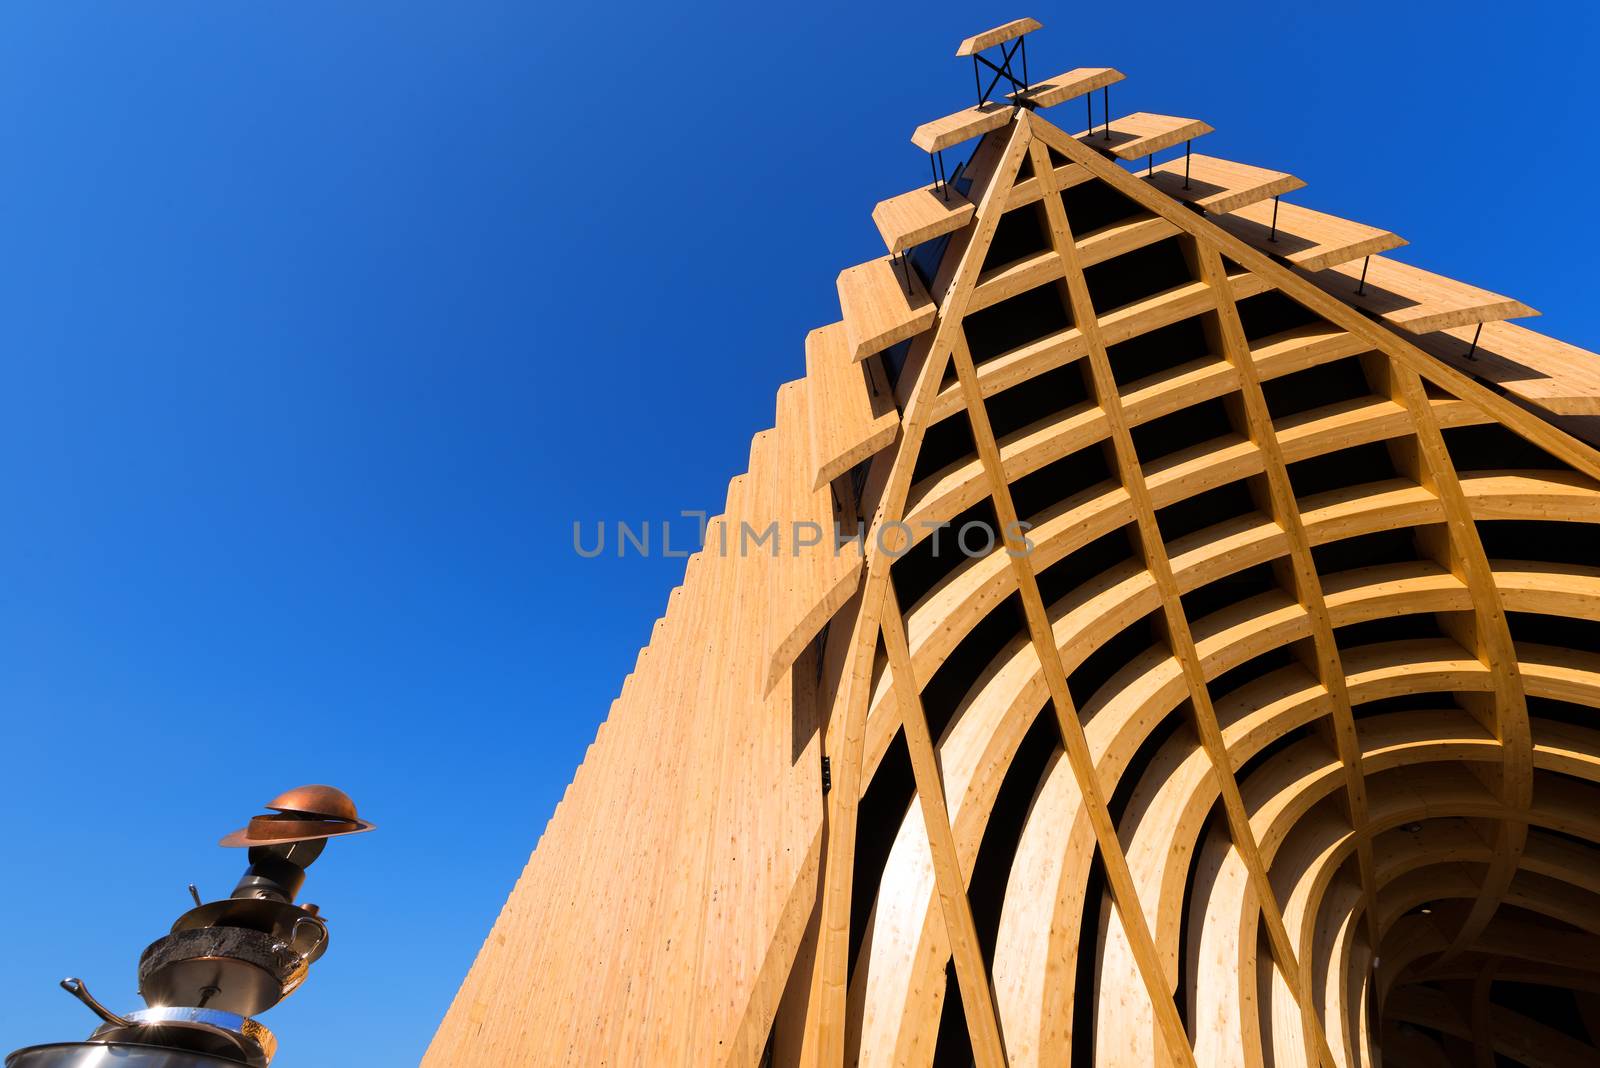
x=224 y=962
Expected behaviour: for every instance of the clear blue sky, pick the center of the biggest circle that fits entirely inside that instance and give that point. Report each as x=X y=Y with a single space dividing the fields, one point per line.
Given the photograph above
x=320 y=323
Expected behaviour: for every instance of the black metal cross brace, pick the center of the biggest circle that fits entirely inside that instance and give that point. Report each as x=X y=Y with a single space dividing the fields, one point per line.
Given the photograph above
x=1002 y=71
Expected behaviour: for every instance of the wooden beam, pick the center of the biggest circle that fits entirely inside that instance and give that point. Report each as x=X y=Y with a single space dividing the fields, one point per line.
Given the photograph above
x=977 y=994
x=1160 y=566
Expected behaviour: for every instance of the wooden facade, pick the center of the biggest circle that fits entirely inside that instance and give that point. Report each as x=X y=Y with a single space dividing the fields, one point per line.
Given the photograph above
x=1276 y=742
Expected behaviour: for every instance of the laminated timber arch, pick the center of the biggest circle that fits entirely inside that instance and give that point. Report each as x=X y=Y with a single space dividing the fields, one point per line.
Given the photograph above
x=1277 y=741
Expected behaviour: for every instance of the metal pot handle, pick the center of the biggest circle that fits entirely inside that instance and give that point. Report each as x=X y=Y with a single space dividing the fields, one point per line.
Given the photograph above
x=77 y=989
x=322 y=934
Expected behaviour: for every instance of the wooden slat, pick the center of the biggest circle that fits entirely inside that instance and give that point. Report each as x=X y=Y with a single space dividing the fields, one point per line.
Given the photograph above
x=1415 y=300
x=999 y=35
x=1118 y=875
x=1219 y=185
x=826 y=1009
x=1560 y=378
x=977 y=992
x=1103 y=244
x=1063 y=87
x=961 y=126
x=909 y=219
x=882 y=305
x=813 y=576
x=849 y=405
x=1138 y=135
x=1307 y=238
x=1309 y=591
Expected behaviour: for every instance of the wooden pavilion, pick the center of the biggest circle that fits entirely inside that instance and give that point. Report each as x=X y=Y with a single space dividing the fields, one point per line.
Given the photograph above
x=1275 y=742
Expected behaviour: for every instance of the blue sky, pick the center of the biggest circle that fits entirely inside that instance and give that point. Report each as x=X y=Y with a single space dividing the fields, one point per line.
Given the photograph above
x=320 y=325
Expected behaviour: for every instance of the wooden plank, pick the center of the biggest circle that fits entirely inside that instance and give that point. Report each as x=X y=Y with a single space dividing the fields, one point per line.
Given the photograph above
x=1040 y=634
x=1306 y=238
x=1309 y=592
x=963 y=125
x=813 y=576
x=1111 y=241
x=977 y=993
x=1063 y=87
x=849 y=405
x=1178 y=632
x=1219 y=185
x=909 y=219
x=999 y=35
x=826 y=1009
x=882 y=306
x=1138 y=135
x=1558 y=377
x=1415 y=300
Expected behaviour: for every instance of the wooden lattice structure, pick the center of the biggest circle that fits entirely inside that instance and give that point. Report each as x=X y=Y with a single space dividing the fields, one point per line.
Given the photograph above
x=1276 y=743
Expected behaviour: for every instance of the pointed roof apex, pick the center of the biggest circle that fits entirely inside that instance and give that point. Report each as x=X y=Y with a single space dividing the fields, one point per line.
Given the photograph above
x=999 y=35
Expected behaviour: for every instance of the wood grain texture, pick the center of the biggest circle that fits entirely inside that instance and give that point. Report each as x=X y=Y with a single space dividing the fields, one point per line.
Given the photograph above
x=849 y=406
x=909 y=219
x=881 y=305
x=1305 y=237
x=1069 y=86
x=1274 y=691
x=1415 y=300
x=1138 y=135
x=1219 y=185
x=1010 y=31
x=941 y=133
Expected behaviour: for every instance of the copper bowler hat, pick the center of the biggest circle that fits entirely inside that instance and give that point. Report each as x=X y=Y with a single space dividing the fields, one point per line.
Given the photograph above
x=304 y=814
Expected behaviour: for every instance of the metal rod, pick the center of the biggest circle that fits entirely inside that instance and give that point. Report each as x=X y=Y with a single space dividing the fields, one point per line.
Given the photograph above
x=977 y=79
x=1024 y=41
x=1274 y=235
x=1472 y=352
x=1105 y=106
x=1002 y=71
x=1361 y=286
x=1088 y=111
x=935 y=169
x=1150 y=165
x=944 y=182
x=1187 y=145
